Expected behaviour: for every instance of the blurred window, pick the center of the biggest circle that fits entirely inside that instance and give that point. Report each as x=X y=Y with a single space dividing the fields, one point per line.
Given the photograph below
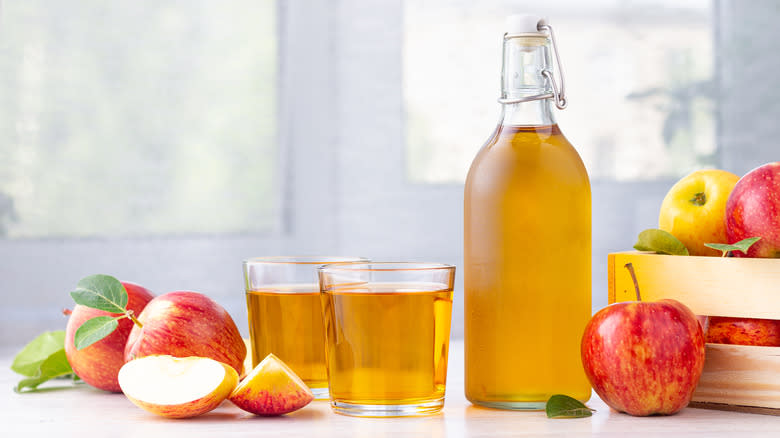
x=137 y=118
x=639 y=78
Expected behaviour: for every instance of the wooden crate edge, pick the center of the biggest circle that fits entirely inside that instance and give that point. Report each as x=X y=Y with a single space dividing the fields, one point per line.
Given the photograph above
x=735 y=408
x=610 y=278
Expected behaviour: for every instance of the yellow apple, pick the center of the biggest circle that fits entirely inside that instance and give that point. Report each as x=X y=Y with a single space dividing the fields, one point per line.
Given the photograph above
x=177 y=387
x=694 y=209
x=272 y=388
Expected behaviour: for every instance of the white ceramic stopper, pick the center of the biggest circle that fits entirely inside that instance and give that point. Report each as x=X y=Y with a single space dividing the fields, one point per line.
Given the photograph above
x=523 y=23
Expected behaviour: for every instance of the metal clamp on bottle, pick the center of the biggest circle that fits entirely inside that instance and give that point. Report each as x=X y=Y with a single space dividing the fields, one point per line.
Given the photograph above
x=558 y=93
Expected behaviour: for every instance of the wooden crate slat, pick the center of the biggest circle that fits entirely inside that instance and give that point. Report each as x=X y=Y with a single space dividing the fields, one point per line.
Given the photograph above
x=747 y=288
x=740 y=375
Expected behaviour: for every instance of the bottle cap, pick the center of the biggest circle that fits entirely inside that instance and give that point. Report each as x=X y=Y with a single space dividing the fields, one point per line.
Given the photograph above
x=524 y=23
x=523 y=26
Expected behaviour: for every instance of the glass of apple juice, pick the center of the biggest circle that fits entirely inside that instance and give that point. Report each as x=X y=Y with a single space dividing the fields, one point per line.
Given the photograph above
x=285 y=315
x=387 y=329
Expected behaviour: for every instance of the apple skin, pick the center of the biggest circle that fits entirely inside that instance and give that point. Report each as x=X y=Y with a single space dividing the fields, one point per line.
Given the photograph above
x=696 y=224
x=186 y=323
x=644 y=358
x=99 y=364
x=753 y=210
x=743 y=331
x=271 y=388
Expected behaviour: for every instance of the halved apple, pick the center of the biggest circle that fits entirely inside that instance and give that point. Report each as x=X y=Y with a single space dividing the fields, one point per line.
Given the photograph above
x=177 y=387
x=272 y=388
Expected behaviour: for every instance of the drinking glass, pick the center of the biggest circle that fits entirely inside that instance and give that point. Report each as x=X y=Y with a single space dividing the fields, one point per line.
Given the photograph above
x=387 y=328
x=285 y=315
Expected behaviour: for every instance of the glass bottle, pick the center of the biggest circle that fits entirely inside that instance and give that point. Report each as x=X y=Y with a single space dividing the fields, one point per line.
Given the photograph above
x=527 y=238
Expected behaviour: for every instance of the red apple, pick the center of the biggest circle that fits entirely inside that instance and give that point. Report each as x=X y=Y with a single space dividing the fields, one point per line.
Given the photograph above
x=644 y=358
x=753 y=210
x=744 y=331
x=99 y=364
x=183 y=324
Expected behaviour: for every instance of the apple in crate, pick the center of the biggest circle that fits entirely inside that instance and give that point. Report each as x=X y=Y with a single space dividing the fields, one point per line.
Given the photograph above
x=743 y=331
x=177 y=387
x=99 y=363
x=644 y=358
x=272 y=388
x=693 y=209
x=185 y=323
x=753 y=210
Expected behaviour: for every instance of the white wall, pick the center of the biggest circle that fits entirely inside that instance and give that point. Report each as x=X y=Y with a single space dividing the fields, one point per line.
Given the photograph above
x=344 y=186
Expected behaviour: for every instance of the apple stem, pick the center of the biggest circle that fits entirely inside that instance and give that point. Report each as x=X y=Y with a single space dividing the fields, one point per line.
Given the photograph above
x=129 y=314
x=699 y=199
x=630 y=268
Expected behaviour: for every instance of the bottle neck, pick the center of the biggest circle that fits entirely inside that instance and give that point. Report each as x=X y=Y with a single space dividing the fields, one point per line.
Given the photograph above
x=524 y=59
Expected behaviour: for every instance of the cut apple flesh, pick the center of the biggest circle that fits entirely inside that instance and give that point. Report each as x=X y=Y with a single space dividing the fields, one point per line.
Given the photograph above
x=248 y=359
x=272 y=388
x=177 y=387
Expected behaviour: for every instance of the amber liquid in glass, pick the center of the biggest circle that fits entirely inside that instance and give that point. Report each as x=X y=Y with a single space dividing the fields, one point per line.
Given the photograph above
x=286 y=320
x=388 y=343
x=527 y=269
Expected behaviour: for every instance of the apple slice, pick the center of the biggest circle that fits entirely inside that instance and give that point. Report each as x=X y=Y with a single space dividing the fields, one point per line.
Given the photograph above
x=272 y=388
x=247 y=367
x=177 y=387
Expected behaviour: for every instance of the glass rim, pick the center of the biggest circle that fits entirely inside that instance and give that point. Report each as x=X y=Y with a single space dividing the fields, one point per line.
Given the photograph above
x=303 y=260
x=399 y=267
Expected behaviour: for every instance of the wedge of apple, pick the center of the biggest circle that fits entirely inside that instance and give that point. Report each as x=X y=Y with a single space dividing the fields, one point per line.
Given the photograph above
x=272 y=388
x=247 y=367
x=177 y=387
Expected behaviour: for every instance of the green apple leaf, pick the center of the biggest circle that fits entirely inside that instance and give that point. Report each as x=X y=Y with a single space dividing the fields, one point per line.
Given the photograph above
x=563 y=406
x=102 y=292
x=29 y=360
x=743 y=245
x=661 y=242
x=54 y=366
x=94 y=329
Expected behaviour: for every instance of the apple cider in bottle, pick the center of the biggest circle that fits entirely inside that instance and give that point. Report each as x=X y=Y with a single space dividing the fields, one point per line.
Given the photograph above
x=527 y=254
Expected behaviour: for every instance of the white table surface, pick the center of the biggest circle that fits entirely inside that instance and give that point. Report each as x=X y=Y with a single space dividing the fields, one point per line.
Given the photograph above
x=87 y=412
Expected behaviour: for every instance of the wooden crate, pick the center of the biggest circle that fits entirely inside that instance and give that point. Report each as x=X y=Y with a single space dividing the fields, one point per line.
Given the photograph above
x=735 y=377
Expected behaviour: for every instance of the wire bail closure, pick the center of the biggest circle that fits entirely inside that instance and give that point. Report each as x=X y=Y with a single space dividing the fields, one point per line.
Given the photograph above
x=558 y=93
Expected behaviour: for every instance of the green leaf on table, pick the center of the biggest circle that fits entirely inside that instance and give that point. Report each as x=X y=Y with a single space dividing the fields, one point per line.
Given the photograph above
x=102 y=292
x=29 y=360
x=94 y=329
x=661 y=242
x=54 y=366
x=743 y=245
x=563 y=406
